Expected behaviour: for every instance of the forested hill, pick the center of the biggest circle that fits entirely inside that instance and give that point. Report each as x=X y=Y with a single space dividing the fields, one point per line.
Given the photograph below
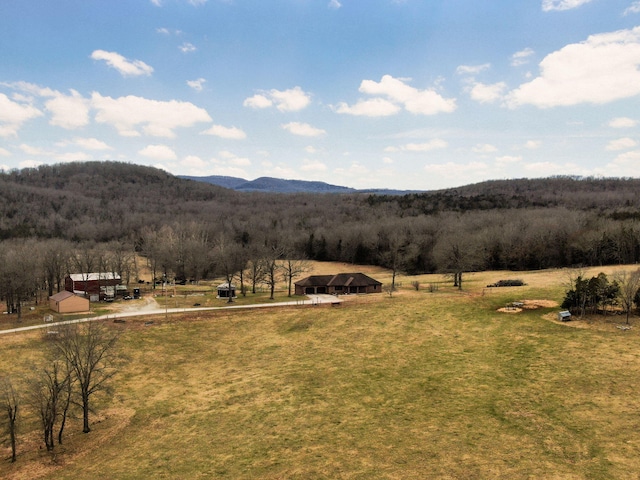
x=518 y=224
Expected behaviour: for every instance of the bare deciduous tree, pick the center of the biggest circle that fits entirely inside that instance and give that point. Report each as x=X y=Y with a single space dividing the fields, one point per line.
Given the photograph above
x=10 y=403
x=90 y=351
x=629 y=284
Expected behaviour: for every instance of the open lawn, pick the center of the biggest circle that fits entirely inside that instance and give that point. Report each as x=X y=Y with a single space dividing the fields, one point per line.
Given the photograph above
x=418 y=385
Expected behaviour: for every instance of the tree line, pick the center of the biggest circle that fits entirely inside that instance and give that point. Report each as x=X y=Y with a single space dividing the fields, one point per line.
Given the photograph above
x=516 y=224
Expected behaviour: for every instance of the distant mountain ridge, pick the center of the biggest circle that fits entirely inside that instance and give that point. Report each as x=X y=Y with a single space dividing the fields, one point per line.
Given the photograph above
x=270 y=184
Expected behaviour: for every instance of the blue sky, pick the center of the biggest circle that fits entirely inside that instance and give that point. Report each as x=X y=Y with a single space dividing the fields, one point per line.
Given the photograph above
x=401 y=94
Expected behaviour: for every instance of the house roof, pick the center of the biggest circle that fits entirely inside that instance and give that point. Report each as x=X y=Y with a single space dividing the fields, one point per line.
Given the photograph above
x=58 y=297
x=341 y=279
x=81 y=277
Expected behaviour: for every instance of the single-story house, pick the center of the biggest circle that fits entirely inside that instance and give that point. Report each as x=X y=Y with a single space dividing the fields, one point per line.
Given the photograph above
x=67 y=302
x=225 y=290
x=93 y=285
x=338 y=284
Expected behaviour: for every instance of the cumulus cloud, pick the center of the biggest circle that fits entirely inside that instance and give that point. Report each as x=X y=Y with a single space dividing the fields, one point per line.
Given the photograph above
x=157 y=118
x=599 y=70
x=313 y=166
x=532 y=144
x=472 y=69
x=549 y=5
x=452 y=170
x=303 y=129
x=4 y=152
x=72 y=157
x=621 y=144
x=398 y=95
x=623 y=122
x=483 y=93
x=158 y=152
x=484 y=148
x=435 y=144
x=126 y=67
x=68 y=111
x=197 y=85
x=13 y=115
x=375 y=107
x=633 y=8
x=335 y=4
x=232 y=133
x=35 y=151
x=86 y=143
x=521 y=57
x=187 y=47
x=291 y=100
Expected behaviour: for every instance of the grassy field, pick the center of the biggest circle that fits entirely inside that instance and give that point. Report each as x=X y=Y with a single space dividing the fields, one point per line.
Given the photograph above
x=415 y=385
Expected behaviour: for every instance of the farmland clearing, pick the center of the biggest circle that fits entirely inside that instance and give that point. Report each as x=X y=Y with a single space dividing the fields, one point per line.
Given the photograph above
x=414 y=384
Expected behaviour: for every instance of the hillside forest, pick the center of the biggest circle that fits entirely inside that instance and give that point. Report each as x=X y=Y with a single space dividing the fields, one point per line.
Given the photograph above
x=95 y=215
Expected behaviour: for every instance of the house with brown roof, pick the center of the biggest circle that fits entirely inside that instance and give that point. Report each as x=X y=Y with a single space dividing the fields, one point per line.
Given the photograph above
x=67 y=302
x=339 y=284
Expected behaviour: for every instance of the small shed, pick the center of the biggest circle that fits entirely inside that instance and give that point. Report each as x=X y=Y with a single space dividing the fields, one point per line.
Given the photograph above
x=564 y=316
x=226 y=290
x=67 y=302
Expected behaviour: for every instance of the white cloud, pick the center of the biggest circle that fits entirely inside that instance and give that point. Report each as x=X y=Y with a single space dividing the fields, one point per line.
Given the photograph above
x=634 y=8
x=72 y=157
x=232 y=133
x=157 y=3
x=532 y=144
x=313 y=166
x=68 y=111
x=187 y=47
x=29 y=164
x=335 y=4
x=310 y=149
x=232 y=159
x=157 y=118
x=13 y=115
x=424 y=102
x=4 y=152
x=472 y=69
x=303 y=129
x=621 y=144
x=375 y=107
x=34 y=151
x=257 y=101
x=158 y=152
x=487 y=93
x=193 y=161
x=521 y=57
x=623 y=122
x=435 y=144
x=86 y=143
x=601 y=69
x=484 y=148
x=549 y=5
x=291 y=100
x=452 y=170
x=126 y=67
x=197 y=85
x=507 y=160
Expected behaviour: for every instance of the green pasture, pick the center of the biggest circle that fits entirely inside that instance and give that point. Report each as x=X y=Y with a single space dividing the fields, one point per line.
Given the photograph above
x=416 y=384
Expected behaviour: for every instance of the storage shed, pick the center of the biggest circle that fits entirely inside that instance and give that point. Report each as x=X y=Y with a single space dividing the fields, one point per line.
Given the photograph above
x=67 y=302
x=225 y=290
x=564 y=316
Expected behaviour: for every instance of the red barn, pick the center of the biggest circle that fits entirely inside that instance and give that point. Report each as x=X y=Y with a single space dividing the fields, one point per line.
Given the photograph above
x=92 y=284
